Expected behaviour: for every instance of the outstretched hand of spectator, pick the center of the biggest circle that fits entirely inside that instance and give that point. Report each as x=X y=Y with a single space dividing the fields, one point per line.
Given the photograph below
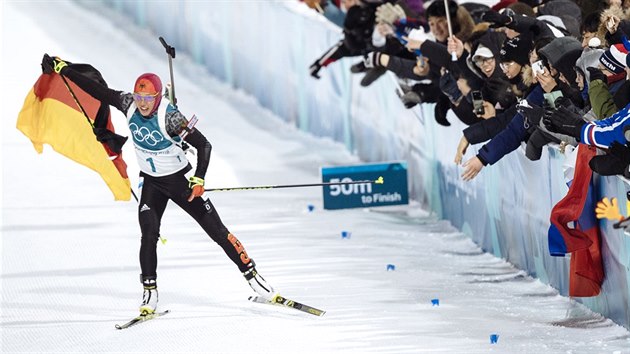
x=621 y=152
x=531 y=112
x=564 y=121
x=412 y=44
x=388 y=13
x=495 y=18
x=472 y=168
x=608 y=209
x=461 y=150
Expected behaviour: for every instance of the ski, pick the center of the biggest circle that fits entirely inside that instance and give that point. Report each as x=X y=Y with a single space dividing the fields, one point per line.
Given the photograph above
x=283 y=301
x=142 y=318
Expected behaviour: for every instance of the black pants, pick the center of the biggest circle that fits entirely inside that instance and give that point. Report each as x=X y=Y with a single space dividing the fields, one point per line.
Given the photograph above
x=156 y=192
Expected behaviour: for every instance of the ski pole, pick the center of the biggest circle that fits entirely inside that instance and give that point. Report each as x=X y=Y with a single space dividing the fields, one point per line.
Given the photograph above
x=377 y=181
x=170 y=51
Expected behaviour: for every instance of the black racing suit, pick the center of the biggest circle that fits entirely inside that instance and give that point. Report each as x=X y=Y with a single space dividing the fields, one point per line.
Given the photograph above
x=157 y=191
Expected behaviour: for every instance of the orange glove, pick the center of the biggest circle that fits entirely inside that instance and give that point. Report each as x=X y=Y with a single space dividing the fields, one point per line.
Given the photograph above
x=196 y=185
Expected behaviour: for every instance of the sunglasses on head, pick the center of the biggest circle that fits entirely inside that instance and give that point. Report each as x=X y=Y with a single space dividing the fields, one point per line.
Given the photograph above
x=145 y=97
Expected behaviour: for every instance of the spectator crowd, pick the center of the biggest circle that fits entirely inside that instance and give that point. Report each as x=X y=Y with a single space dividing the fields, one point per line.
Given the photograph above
x=519 y=72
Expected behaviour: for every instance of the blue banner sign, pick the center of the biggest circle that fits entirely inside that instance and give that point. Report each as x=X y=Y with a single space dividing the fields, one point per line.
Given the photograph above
x=392 y=191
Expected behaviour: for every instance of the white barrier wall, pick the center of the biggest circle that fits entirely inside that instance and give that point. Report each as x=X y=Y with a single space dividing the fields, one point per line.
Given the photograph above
x=265 y=49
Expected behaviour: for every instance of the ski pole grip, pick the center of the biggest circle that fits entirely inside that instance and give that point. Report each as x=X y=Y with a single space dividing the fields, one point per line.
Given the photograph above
x=169 y=50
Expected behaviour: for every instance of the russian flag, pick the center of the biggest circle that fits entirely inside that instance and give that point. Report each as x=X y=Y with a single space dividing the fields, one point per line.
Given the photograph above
x=575 y=229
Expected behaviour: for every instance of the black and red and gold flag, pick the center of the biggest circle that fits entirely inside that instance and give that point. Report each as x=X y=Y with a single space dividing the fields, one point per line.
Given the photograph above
x=51 y=115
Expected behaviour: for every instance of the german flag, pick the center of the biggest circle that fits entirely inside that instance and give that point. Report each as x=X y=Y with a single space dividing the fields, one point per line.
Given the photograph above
x=51 y=115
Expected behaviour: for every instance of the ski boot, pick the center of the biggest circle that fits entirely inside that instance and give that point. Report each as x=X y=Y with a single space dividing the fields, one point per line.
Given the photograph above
x=149 y=297
x=260 y=285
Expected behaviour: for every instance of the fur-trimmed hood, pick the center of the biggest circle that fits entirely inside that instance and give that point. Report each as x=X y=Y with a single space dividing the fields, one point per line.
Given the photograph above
x=466 y=24
x=624 y=15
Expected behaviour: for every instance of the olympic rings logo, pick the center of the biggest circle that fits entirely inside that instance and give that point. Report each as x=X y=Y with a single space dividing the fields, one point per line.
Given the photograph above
x=145 y=135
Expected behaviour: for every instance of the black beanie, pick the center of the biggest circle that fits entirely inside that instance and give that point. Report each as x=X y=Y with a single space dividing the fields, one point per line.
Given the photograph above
x=516 y=49
x=436 y=9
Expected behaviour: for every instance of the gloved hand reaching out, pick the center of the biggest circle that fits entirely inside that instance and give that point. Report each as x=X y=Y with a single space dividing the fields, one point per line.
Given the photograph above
x=564 y=121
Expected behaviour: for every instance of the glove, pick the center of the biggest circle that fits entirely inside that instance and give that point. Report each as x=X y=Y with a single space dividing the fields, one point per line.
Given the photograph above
x=410 y=99
x=621 y=152
x=388 y=13
x=608 y=209
x=314 y=69
x=195 y=184
x=596 y=74
x=564 y=121
x=372 y=60
x=448 y=85
x=50 y=64
x=532 y=113
x=496 y=19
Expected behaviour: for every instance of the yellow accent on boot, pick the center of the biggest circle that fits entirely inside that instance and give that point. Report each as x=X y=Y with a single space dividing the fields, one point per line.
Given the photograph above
x=146 y=310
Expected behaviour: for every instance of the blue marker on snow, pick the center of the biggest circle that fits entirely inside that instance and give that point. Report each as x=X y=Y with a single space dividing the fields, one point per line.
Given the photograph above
x=435 y=302
x=310 y=207
x=494 y=338
x=391 y=267
x=346 y=234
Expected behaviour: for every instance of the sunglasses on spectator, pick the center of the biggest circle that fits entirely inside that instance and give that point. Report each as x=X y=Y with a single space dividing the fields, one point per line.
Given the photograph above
x=145 y=97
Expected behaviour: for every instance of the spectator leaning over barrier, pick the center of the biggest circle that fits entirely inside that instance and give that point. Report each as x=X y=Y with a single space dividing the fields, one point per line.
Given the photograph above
x=611 y=134
x=392 y=20
x=472 y=75
x=488 y=129
x=513 y=24
x=519 y=128
x=357 y=28
x=462 y=25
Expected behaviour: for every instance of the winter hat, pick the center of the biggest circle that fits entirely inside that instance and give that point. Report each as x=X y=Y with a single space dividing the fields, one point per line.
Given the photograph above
x=482 y=52
x=149 y=84
x=588 y=59
x=516 y=49
x=614 y=58
x=436 y=9
x=553 y=20
x=566 y=64
x=558 y=47
x=560 y=8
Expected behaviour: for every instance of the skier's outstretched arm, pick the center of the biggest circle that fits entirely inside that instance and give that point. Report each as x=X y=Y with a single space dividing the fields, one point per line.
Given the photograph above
x=92 y=87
